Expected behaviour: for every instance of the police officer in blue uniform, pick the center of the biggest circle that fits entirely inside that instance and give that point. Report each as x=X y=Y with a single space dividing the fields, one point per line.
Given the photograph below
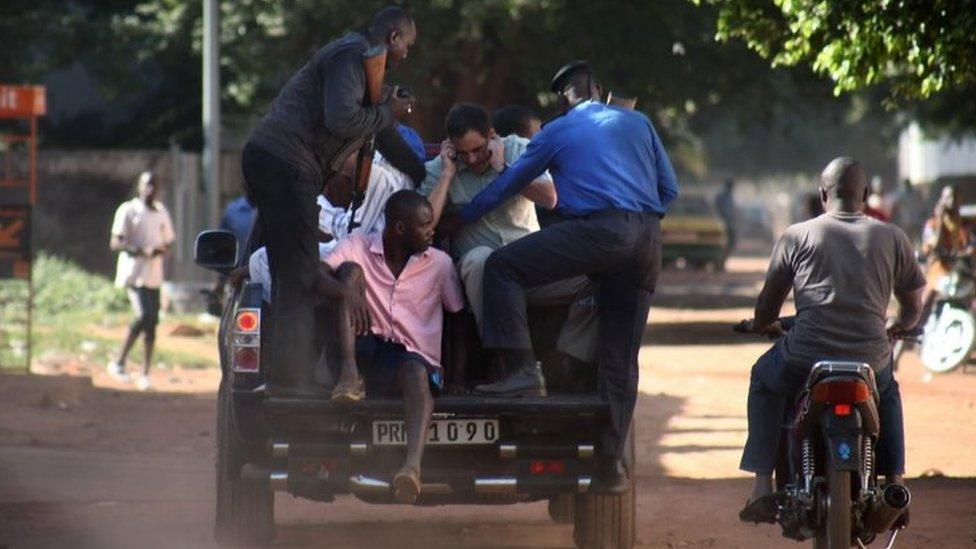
x=614 y=182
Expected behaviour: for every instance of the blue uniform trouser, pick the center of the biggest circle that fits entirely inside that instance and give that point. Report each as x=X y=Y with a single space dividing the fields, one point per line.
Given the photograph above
x=774 y=386
x=621 y=252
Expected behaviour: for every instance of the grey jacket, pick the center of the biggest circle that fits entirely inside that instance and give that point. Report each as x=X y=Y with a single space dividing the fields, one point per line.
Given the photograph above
x=318 y=117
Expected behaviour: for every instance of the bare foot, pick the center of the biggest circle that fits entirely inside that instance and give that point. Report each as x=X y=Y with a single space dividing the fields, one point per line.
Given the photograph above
x=406 y=485
x=349 y=391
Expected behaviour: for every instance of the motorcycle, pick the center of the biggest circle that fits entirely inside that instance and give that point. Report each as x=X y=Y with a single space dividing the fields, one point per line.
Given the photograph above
x=827 y=487
x=950 y=331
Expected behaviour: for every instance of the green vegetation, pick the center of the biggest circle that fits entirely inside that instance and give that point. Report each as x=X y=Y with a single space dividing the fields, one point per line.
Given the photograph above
x=720 y=107
x=919 y=50
x=74 y=313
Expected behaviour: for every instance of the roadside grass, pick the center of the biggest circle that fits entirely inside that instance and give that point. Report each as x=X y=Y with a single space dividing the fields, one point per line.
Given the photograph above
x=85 y=316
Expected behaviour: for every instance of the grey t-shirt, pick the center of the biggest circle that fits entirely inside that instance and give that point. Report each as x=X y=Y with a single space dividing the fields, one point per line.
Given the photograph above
x=843 y=268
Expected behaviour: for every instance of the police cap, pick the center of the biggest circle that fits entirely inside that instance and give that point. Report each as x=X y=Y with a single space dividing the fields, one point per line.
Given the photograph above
x=569 y=69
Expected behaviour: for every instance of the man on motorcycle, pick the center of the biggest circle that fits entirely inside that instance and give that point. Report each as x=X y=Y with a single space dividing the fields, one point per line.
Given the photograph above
x=944 y=239
x=843 y=268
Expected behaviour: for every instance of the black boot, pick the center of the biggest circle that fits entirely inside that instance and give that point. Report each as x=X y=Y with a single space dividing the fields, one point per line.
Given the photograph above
x=525 y=379
x=610 y=477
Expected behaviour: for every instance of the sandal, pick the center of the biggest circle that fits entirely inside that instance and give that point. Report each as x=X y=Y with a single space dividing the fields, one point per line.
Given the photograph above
x=349 y=392
x=762 y=509
x=406 y=486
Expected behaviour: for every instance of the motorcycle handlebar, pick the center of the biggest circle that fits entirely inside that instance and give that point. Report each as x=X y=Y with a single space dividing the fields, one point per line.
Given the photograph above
x=747 y=326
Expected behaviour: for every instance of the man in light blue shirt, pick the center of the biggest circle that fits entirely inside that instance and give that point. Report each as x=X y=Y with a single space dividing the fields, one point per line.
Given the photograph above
x=614 y=182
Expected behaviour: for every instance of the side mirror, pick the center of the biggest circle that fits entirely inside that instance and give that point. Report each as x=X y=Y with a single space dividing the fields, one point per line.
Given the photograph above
x=216 y=250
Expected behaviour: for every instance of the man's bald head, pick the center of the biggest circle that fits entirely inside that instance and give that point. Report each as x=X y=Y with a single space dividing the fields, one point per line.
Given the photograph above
x=844 y=179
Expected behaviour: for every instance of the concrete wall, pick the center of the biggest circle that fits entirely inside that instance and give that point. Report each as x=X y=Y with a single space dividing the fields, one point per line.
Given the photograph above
x=79 y=190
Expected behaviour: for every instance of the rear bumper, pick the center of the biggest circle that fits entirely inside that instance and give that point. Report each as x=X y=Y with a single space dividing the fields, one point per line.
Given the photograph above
x=319 y=449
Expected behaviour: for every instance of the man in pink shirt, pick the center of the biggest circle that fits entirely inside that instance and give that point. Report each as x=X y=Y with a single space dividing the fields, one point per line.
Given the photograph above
x=397 y=332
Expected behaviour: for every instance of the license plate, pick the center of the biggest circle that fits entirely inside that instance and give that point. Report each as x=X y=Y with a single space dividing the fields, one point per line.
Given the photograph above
x=441 y=432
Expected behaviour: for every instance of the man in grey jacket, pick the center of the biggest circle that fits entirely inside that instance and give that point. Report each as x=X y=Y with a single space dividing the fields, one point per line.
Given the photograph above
x=317 y=120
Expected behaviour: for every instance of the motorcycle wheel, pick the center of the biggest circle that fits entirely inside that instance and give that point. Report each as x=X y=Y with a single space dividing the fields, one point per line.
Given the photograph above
x=836 y=530
x=948 y=339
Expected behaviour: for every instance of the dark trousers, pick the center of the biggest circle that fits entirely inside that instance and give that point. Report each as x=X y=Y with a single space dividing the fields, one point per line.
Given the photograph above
x=145 y=305
x=621 y=252
x=774 y=386
x=288 y=215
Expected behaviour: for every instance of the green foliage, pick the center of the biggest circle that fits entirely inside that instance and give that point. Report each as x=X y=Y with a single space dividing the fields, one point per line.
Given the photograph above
x=918 y=48
x=62 y=287
x=718 y=106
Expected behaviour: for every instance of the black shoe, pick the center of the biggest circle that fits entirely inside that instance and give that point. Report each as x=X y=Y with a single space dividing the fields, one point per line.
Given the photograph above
x=610 y=477
x=526 y=381
x=761 y=509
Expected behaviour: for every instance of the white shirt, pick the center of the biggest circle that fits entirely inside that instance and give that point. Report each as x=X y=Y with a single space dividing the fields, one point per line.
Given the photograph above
x=146 y=229
x=384 y=180
x=260 y=272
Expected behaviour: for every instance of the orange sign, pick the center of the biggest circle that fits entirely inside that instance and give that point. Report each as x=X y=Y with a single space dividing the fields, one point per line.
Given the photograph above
x=22 y=101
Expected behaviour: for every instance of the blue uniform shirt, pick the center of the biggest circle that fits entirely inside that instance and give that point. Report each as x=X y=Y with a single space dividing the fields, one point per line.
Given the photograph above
x=600 y=157
x=238 y=218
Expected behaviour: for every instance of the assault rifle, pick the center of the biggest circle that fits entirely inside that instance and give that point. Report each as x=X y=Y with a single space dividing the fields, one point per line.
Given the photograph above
x=374 y=64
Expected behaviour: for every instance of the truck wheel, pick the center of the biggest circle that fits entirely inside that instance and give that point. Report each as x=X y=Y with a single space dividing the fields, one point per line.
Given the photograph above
x=244 y=509
x=562 y=509
x=609 y=521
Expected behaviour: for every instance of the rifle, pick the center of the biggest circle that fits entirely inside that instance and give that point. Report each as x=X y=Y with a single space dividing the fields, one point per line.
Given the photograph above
x=374 y=64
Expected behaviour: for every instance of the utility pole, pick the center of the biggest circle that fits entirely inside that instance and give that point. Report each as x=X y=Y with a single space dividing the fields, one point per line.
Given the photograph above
x=211 y=109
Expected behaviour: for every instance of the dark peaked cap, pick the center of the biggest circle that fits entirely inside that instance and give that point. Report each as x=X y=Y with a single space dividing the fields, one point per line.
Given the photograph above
x=569 y=69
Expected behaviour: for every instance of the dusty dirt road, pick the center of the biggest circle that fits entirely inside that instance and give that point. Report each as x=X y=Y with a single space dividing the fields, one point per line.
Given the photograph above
x=88 y=463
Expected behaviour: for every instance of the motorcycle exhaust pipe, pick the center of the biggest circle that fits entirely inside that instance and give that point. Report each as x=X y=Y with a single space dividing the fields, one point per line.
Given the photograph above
x=894 y=501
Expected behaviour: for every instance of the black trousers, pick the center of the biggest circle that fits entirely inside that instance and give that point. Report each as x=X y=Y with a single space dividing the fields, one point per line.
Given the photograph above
x=145 y=305
x=621 y=252
x=288 y=215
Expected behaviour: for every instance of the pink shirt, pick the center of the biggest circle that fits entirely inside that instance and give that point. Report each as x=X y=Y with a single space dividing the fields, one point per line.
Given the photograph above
x=410 y=309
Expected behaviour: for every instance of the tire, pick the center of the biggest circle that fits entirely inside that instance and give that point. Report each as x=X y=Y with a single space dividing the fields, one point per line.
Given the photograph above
x=562 y=509
x=609 y=521
x=244 y=513
x=948 y=340
x=836 y=532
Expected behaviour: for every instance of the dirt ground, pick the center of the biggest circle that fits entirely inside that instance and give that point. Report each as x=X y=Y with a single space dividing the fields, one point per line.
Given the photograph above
x=87 y=462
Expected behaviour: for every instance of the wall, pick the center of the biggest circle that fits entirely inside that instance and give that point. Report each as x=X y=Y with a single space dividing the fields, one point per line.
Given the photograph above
x=79 y=190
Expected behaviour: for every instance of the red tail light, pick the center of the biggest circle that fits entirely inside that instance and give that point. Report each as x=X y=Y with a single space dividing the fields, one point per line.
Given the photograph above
x=842 y=392
x=842 y=409
x=547 y=467
x=248 y=321
x=246 y=359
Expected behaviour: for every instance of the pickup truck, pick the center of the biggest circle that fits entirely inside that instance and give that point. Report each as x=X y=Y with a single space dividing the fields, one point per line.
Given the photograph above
x=480 y=450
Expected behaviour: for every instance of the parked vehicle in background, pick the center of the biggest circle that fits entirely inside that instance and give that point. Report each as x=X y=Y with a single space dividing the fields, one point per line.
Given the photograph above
x=693 y=234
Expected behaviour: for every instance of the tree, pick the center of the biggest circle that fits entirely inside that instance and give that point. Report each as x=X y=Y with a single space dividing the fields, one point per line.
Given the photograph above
x=719 y=107
x=919 y=50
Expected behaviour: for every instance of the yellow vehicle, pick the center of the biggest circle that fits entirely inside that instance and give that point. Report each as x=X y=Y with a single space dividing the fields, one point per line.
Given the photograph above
x=694 y=234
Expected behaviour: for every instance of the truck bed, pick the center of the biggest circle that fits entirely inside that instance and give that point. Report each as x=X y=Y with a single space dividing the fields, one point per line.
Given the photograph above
x=556 y=405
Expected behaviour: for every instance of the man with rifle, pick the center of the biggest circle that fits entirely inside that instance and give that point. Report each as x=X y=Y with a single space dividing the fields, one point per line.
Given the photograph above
x=328 y=110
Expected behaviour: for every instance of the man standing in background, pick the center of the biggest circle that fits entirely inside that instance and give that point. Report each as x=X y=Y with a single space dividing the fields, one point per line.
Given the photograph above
x=725 y=204
x=141 y=233
x=318 y=119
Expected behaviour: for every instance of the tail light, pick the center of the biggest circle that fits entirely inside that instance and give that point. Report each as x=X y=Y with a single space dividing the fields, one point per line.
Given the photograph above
x=547 y=467
x=246 y=344
x=248 y=320
x=842 y=392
